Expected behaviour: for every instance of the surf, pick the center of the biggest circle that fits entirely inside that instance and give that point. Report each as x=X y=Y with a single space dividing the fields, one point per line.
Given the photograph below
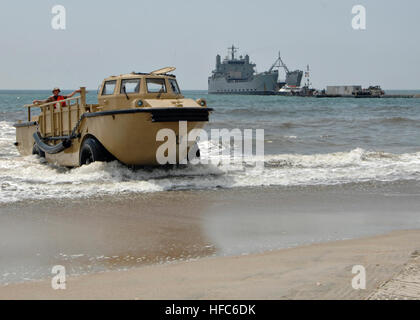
x=31 y=178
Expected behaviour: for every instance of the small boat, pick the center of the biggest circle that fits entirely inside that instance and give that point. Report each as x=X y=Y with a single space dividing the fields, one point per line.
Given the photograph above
x=288 y=90
x=123 y=125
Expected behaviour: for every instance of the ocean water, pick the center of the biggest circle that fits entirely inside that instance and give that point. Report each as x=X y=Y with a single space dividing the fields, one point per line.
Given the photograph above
x=333 y=169
x=308 y=142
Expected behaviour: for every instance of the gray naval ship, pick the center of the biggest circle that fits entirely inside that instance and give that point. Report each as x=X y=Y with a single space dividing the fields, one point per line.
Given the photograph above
x=238 y=76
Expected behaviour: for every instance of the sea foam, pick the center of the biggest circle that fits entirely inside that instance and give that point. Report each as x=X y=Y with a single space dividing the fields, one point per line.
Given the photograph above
x=31 y=178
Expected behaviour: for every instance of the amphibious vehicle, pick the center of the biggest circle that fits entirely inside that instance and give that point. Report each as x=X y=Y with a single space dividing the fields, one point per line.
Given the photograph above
x=123 y=125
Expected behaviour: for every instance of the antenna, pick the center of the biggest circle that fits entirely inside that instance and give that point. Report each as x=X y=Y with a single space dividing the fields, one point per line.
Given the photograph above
x=232 y=50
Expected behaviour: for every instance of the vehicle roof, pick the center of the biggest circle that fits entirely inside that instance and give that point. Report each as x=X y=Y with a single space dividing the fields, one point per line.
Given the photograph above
x=136 y=75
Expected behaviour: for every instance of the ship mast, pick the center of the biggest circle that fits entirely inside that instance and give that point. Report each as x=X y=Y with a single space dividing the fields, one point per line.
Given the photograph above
x=232 y=50
x=307 y=76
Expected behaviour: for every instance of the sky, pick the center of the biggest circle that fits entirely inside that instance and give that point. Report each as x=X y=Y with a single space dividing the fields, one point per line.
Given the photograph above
x=105 y=38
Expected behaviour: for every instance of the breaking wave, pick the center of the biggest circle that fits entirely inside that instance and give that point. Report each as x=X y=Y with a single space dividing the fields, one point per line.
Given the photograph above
x=31 y=178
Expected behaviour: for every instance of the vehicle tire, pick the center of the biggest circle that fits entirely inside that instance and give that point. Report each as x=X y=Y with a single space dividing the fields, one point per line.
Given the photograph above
x=38 y=151
x=92 y=150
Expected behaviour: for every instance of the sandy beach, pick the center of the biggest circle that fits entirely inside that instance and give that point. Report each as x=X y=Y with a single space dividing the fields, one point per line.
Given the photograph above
x=270 y=243
x=320 y=271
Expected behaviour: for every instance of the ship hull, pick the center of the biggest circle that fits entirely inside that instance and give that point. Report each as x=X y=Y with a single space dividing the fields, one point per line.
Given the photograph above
x=260 y=84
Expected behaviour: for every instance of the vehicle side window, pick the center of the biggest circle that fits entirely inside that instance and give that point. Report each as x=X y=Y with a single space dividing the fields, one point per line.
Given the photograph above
x=109 y=87
x=174 y=86
x=156 y=85
x=130 y=85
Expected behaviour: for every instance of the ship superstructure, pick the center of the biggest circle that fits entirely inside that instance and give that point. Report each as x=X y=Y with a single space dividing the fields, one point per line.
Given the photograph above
x=238 y=76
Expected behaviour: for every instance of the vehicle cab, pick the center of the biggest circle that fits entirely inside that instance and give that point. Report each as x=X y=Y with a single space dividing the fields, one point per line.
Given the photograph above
x=141 y=90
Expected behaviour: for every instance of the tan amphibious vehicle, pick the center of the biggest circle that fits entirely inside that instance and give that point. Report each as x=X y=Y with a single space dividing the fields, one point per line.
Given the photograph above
x=131 y=109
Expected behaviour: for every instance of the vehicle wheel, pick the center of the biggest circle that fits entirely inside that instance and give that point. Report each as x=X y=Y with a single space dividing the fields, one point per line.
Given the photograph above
x=38 y=151
x=91 y=151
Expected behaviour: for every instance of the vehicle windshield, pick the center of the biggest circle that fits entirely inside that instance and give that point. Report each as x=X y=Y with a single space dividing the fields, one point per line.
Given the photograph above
x=130 y=85
x=156 y=85
x=109 y=87
x=174 y=86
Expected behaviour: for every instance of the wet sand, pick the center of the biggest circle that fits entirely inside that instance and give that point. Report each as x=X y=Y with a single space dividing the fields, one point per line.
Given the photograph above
x=319 y=271
x=143 y=233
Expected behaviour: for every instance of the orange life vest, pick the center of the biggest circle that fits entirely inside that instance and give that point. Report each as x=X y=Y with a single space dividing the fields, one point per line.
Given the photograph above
x=63 y=104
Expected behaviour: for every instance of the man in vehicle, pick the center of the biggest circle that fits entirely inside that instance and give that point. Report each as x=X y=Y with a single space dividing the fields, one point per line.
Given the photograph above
x=56 y=97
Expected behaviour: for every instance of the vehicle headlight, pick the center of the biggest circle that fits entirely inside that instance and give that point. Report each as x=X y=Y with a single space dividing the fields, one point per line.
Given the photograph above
x=139 y=103
x=202 y=102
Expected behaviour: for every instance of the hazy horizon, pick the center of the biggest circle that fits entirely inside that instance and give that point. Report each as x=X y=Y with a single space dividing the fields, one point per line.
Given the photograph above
x=102 y=39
